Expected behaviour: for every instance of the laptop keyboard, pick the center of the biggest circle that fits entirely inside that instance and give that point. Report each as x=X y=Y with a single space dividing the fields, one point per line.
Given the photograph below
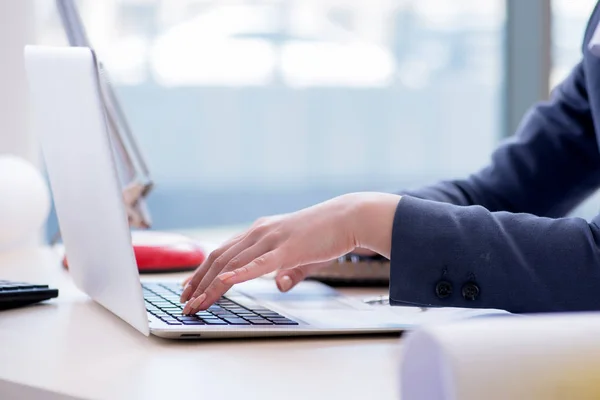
x=162 y=301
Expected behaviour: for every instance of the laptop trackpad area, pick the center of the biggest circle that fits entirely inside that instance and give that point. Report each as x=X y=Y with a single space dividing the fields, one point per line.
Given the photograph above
x=310 y=303
x=308 y=295
x=315 y=303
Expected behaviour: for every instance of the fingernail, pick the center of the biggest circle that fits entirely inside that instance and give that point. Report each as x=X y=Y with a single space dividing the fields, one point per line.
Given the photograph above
x=223 y=277
x=186 y=293
x=197 y=303
x=285 y=283
x=187 y=308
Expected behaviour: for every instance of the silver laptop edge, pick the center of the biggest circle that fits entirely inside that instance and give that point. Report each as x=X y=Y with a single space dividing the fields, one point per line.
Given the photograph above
x=71 y=126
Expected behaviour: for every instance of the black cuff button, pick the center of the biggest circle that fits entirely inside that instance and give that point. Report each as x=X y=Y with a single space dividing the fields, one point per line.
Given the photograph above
x=443 y=289
x=470 y=291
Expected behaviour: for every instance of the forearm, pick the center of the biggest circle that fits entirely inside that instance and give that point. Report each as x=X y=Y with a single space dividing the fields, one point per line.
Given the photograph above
x=519 y=262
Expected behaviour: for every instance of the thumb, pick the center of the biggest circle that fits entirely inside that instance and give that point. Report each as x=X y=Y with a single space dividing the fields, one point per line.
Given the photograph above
x=288 y=278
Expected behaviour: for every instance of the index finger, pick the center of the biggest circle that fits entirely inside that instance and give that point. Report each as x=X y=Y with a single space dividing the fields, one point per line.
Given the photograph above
x=194 y=280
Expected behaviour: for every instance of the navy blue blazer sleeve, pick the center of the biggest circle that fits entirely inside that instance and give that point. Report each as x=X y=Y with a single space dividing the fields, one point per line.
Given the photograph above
x=499 y=239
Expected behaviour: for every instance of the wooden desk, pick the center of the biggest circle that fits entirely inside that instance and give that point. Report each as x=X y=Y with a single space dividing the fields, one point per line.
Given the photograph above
x=73 y=348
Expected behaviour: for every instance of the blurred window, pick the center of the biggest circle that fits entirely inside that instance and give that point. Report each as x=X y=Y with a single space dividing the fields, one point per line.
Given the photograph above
x=569 y=20
x=246 y=108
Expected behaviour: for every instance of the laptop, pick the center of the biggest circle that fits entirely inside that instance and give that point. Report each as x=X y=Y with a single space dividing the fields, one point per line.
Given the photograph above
x=71 y=123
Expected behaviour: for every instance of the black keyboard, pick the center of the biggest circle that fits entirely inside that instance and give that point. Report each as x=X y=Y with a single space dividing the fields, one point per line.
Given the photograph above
x=162 y=301
x=19 y=294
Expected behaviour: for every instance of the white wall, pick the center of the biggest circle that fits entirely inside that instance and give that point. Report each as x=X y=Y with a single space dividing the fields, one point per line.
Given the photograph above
x=16 y=135
x=16 y=30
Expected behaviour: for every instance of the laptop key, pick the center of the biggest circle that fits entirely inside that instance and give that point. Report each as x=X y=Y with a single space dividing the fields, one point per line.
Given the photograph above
x=261 y=322
x=187 y=318
x=223 y=313
x=236 y=321
x=226 y=315
x=214 y=322
x=203 y=314
x=171 y=321
x=254 y=318
x=196 y=322
x=284 y=321
x=236 y=310
x=161 y=304
x=169 y=311
x=216 y=312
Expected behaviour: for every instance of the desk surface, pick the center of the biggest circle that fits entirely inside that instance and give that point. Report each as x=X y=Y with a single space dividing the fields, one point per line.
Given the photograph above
x=71 y=347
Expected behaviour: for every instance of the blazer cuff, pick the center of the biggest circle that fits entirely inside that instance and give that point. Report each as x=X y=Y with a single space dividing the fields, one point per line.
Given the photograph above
x=426 y=265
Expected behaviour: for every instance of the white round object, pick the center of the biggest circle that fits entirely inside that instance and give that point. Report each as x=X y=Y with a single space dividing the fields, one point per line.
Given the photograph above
x=24 y=202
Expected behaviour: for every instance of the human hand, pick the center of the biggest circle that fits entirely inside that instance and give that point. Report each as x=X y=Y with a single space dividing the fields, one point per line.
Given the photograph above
x=286 y=279
x=295 y=244
x=235 y=239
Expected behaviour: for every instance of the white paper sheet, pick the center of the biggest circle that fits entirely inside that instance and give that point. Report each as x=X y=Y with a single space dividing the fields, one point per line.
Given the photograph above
x=433 y=316
x=553 y=356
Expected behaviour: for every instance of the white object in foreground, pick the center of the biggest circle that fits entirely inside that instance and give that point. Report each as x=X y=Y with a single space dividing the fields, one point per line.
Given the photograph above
x=523 y=357
x=24 y=203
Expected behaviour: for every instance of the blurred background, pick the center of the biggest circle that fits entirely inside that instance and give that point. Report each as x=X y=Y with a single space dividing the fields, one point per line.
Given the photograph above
x=252 y=107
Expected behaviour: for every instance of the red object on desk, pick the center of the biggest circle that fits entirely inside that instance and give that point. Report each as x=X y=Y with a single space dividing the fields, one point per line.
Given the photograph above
x=164 y=252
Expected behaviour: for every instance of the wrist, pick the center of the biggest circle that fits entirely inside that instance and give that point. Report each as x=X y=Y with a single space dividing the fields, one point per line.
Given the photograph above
x=374 y=220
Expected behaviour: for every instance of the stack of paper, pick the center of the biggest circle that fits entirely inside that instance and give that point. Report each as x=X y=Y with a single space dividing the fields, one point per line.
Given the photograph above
x=554 y=356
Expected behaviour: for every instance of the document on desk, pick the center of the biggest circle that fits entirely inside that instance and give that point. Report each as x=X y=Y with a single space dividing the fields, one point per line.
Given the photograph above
x=420 y=316
x=552 y=356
